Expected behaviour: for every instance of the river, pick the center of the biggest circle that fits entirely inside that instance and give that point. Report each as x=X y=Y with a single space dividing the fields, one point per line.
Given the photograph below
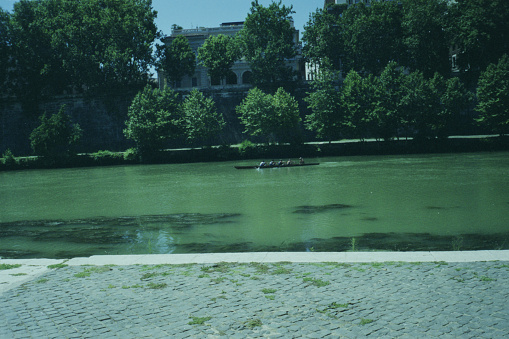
x=401 y=203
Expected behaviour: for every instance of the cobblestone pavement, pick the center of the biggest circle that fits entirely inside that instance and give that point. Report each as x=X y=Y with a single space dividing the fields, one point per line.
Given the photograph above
x=275 y=300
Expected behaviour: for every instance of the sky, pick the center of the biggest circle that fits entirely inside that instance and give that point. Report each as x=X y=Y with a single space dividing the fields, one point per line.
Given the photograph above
x=211 y=13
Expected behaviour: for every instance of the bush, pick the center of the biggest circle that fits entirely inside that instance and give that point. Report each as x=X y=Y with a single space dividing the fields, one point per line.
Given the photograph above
x=107 y=157
x=246 y=147
x=8 y=159
x=56 y=136
x=131 y=155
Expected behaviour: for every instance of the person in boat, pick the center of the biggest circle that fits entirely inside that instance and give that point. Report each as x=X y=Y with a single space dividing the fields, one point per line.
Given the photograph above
x=289 y=162
x=280 y=163
x=262 y=164
x=272 y=163
x=301 y=161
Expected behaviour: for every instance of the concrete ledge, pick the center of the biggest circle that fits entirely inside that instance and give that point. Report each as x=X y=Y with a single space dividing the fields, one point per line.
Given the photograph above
x=210 y=258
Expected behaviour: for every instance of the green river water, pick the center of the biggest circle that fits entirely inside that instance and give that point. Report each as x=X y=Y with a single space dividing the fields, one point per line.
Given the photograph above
x=401 y=203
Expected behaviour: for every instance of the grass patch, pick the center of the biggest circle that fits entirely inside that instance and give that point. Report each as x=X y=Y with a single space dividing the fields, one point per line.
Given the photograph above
x=57 y=266
x=93 y=269
x=270 y=297
x=149 y=275
x=199 y=320
x=365 y=321
x=260 y=268
x=42 y=281
x=269 y=290
x=486 y=278
x=18 y=274
x=9 y=266
x=221 y=267
x=125 y=287
x=218 y=280
x=252 y=323
x=316 y=282
x=155 y=286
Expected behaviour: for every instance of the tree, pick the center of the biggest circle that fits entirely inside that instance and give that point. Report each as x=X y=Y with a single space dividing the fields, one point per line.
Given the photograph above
x=70 y=45
x=322 y=37
x=389 y=93
x=274 y=117
x=153 y=118
x=287 y=116
x=425 y=25
x=327 y=117
x=203 y=122
x=218 y=54
x=480 y=32
x=421 y=104
x=256 y=113
x=493 y=96
x=454 y=99
x=373 y=36
x=358 y=102
x=4 y=49
x=267 y=42
x=177 y=59
x=56 y=136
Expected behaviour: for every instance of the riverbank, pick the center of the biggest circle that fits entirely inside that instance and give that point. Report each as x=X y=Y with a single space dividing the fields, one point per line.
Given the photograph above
x=273 y=295
x=456 y=144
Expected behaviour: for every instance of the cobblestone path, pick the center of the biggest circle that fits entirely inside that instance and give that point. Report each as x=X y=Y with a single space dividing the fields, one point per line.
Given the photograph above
x=281 y=300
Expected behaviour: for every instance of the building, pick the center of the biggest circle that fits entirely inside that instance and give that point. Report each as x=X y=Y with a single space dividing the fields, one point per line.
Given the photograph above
x=240 y=75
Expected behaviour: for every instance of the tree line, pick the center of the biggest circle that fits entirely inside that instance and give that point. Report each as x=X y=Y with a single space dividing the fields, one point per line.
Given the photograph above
x=382 y=70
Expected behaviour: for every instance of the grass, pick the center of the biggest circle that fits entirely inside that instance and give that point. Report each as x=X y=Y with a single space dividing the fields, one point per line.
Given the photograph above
x=155 y=286
x=9 y=266
x=316 y=282
x=269 y=290
x=199 y=320
x=93 y=269
x=57 y=266
x=252 y=323
x=486 y=278
x=18 y=274
x=149 y=275
x=41 y=281
x=365 y=321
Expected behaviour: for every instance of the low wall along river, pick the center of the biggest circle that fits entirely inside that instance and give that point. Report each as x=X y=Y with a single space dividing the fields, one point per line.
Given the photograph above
x=399 y=203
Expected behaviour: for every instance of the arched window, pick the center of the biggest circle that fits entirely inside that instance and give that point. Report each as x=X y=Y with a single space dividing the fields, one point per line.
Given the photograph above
x=246 y=77
x=231 y=78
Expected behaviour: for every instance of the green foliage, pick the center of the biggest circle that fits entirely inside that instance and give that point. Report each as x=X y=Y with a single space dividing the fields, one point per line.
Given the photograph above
x=493 y=96
x=4 y=49
x=153 y=118
x=9 y=266
x=372 y=35
x=480 y=31
x=56 y=136
x=70 y=45
x=199 y=320
x=267 y=42
x=276 y=117
x=324 y=44
x=246 y=146
x=203 y=122
x=358 y=102
x=218 y=54
x=327 y=117
x=177 y=59
x=425 y=25
x=389 y=92
x=8 y=159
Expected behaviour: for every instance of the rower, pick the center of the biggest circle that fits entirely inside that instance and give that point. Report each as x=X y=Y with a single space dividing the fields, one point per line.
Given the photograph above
x=301 y=161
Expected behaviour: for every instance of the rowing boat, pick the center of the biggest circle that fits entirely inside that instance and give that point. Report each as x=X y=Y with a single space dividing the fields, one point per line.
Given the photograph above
x=276 y=166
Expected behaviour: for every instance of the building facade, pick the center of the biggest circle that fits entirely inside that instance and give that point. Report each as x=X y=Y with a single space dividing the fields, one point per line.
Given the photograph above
x=240 y=74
